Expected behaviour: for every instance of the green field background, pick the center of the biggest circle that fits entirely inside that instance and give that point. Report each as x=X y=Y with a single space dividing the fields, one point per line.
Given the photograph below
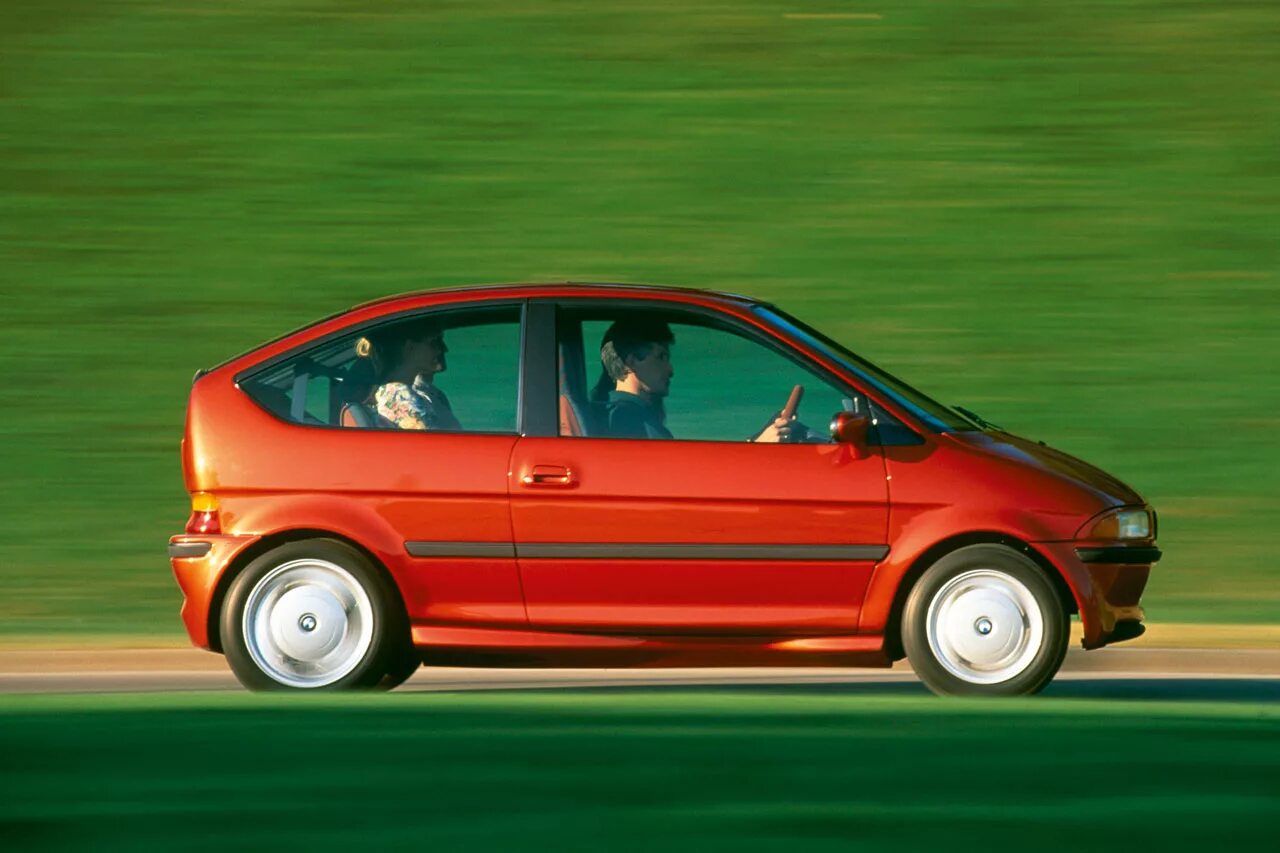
x=1062 y=215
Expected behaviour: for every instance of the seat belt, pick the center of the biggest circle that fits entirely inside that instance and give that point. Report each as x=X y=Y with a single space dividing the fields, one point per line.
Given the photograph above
x=298 y=409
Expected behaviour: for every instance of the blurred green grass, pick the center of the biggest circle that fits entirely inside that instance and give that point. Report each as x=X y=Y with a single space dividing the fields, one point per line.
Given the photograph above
x=633 y=771
x=1063 y=215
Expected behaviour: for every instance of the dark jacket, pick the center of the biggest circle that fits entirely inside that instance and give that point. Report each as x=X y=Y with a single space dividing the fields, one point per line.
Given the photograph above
x=629 y=416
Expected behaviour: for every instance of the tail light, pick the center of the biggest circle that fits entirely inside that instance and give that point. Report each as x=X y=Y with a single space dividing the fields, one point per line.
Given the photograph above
x=204 y=514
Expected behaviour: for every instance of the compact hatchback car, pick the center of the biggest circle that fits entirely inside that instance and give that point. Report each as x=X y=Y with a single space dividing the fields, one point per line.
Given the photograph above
x=620 y=475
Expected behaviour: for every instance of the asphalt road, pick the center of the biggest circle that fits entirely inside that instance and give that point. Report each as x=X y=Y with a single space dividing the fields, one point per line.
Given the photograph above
x=1135 y=673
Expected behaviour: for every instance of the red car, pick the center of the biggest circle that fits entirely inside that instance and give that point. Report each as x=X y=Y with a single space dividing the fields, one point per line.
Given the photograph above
x=621 y=475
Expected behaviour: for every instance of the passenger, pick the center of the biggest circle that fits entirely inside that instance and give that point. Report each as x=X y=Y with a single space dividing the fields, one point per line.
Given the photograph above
x=636 y=357
x=406 y=358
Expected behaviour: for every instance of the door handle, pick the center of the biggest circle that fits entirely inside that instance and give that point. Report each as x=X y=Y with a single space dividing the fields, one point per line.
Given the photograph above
x=550 y=475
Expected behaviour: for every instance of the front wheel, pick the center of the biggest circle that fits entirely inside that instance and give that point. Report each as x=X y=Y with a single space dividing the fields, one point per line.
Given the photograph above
x=985 y=620
x=312 y=615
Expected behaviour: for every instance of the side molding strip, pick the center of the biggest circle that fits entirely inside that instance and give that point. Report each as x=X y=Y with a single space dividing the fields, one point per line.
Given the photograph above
x=674 y=551
x=646 y=551
x=460 y=549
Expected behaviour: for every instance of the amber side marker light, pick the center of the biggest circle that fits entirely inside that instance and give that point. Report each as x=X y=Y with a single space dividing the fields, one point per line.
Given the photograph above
x=204 y=514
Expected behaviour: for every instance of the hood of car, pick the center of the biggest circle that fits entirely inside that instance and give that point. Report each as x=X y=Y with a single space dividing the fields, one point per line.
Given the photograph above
x=1038 y=455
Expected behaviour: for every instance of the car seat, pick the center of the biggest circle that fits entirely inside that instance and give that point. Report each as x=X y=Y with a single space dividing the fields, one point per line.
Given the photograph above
x=357 y=387
x=571 y=420
x=357 y=416
x=575 y=419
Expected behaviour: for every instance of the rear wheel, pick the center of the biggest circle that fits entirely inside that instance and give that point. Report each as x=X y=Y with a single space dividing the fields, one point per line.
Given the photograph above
x=313 y=615
x=985 y=620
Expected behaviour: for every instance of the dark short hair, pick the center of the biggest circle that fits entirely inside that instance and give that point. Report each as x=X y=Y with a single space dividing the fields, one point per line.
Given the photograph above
x=628 y=338
x=383 y=345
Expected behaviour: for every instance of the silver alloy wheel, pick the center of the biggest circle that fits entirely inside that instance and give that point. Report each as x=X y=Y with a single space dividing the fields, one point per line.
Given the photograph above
x=984 y=626
x=307 y=623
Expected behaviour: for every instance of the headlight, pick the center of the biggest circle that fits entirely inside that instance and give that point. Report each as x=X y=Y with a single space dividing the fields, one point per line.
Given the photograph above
x=1118 y=524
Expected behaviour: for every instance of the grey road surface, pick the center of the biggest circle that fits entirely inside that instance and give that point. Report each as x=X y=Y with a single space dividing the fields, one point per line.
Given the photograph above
x=1136 y=672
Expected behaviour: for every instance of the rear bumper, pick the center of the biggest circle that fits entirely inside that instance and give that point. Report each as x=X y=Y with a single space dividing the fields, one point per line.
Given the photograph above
x=198 y=564
x=1107 y=583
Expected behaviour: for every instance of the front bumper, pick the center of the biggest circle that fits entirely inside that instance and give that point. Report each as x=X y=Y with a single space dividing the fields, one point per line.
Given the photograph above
x=1107 y=582
x=199 y=561
x=1121 y=555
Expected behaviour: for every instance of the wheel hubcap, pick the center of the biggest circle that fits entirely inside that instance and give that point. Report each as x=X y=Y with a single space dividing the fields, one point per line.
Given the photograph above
x=984 y=626
x=308 y=623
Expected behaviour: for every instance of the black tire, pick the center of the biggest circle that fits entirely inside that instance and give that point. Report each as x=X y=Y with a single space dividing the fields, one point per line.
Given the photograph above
x=374 y=624
x=974 y=580
x=401 y=666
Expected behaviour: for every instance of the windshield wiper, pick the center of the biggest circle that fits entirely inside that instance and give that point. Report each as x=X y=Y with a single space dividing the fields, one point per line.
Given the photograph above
x=973 y=416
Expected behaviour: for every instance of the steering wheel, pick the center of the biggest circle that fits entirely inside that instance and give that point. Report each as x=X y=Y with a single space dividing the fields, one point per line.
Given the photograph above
x=789 y=412
x=793 y=403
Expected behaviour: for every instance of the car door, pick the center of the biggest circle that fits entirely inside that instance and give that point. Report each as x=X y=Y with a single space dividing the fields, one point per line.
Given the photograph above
x=706 y=532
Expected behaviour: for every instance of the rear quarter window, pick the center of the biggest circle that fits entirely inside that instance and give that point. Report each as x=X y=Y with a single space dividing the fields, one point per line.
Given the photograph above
x=479 y=382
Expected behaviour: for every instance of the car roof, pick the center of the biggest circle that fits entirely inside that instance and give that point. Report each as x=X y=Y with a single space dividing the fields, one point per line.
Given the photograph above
x=529 y=290
x=517 y=290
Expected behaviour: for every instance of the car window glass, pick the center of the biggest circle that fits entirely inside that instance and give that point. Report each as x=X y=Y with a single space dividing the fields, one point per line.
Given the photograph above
x=484 y=375
x=370 y=379
x=317 y=403
x=725 y=386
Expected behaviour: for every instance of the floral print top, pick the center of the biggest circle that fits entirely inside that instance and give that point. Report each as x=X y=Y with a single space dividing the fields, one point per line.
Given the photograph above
x=418 y=406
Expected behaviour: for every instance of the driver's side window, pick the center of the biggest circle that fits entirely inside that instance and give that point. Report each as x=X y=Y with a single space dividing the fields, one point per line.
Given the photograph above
x=723 y=386
x=728 y=388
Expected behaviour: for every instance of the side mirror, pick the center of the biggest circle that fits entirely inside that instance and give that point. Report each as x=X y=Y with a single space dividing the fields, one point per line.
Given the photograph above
x=848 y=428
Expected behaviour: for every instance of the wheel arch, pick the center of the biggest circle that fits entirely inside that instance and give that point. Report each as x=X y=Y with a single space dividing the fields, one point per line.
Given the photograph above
x=893 y=627
x=274 y=540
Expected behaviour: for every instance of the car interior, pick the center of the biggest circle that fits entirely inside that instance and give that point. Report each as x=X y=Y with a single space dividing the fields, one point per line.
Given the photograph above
x=578 y=415
x=330 y=386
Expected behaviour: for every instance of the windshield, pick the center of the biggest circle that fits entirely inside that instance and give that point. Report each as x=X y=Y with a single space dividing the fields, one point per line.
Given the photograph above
x=929 y=411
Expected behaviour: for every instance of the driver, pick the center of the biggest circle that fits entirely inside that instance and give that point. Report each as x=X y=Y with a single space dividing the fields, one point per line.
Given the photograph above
x=636 y=357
